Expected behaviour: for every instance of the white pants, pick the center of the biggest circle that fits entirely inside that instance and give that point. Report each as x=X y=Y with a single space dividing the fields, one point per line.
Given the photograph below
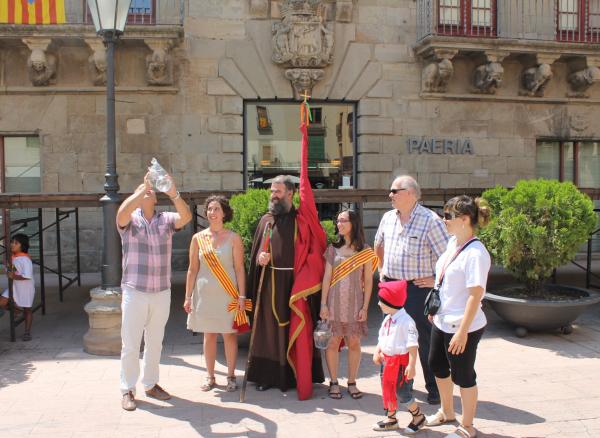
x=142 y=313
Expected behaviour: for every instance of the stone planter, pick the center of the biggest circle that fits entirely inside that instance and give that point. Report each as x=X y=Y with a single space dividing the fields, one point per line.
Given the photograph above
x=104 y=312
x=540 y=315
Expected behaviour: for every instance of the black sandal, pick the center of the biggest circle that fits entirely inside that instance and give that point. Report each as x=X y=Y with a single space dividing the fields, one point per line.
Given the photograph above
x=26 y=336
x=415 y=426
x=336 y=395
x=355 y=395
x=390 y=424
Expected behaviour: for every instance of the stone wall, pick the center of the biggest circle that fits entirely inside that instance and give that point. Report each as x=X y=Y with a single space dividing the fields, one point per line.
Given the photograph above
x=194 y=127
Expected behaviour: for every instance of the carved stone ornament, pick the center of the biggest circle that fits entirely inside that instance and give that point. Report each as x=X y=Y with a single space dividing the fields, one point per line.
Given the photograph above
x=487 y=78
x=303 y=38
x=303 y=79
x=41 y=65
x=159 y=65
x=535 y=79
x=97 y=62
x=436 y=75
x=581 y=80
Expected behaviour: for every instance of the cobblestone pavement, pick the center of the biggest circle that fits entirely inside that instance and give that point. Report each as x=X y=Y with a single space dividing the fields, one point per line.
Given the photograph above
x=545 y=385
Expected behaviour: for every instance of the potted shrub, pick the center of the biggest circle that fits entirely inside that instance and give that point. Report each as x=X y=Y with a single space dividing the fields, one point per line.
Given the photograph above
x=536 y=227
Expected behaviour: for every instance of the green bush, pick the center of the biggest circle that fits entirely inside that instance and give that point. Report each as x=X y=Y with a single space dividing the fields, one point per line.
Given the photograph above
x=536 y=227
x=249 y=207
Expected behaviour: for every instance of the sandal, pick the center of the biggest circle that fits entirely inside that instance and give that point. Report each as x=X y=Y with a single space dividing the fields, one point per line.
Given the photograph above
x=461 y=432
x=437 y=419
x=415 y=425
x=26 y=336
x=209 y=384
x=354 y=394
x=231 y=384
x=390 y=424
x=334 y=390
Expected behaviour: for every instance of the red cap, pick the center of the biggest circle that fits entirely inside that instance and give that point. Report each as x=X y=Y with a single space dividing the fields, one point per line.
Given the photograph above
x=393 y=293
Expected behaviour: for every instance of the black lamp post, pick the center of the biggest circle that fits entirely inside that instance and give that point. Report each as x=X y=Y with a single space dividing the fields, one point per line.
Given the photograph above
x=109 y=18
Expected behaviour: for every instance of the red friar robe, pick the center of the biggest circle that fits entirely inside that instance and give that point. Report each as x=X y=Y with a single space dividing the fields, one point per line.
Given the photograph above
x=309 y=266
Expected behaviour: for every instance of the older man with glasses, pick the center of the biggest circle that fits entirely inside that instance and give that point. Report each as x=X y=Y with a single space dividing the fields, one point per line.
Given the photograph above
x=409 y=240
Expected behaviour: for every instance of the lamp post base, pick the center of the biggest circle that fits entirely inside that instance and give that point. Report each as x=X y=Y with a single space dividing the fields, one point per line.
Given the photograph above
x=104 y=312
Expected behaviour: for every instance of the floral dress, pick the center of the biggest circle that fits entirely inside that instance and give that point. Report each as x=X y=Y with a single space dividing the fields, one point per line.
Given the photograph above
x=346 y=298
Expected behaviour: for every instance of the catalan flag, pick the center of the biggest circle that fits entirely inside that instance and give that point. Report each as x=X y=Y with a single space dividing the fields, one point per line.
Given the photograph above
x=32 y=11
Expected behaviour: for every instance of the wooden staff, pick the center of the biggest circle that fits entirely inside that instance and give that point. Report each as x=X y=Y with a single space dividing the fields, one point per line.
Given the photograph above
x=266 y=240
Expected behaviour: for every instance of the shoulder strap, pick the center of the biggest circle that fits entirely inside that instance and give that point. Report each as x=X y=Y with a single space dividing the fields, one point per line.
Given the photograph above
x=458 y=251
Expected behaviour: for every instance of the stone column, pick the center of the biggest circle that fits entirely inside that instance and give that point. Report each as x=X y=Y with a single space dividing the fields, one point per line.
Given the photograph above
x=104 y=311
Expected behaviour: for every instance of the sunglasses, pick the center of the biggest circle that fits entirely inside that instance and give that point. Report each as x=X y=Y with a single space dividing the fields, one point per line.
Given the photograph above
x=342 y=221
x=394 y=191
x=450 y=216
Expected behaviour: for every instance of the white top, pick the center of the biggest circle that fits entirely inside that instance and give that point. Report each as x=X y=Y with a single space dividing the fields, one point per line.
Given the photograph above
x=23 y=290
x=469 y=269
x=398 y=333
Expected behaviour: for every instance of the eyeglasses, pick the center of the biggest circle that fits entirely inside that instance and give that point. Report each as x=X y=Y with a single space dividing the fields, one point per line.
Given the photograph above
x=449 y=216
x=394 y=191
x=342 y=221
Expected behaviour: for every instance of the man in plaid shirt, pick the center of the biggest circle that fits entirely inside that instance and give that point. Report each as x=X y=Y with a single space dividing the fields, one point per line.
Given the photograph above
x=409 y=240
x=146 y=284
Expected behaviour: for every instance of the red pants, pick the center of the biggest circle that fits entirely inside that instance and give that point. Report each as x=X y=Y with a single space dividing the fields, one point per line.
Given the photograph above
x=389 y=380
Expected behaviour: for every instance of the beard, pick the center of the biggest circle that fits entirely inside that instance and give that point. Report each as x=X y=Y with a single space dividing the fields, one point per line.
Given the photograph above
x=278 y=207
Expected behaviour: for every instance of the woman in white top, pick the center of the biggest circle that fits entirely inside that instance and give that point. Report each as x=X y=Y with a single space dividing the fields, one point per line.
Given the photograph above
x=459 y=323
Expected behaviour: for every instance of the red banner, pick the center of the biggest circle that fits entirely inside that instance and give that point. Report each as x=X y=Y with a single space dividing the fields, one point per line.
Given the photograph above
x=32 y=11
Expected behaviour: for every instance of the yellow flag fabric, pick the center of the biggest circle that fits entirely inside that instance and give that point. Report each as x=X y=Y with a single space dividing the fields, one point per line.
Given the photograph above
x=32 y=11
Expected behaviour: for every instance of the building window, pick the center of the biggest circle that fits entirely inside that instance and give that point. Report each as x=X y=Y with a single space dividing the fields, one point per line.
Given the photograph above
x=576 y=161
x=467 y=17
x=277 y=152
x=140 y=12
x=578 y=20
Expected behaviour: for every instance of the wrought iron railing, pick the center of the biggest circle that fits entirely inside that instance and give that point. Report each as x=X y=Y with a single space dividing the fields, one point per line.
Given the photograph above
x=545 y=20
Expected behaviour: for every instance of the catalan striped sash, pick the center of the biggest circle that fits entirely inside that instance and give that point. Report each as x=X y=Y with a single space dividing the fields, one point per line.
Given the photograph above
x=353 y=263
x=240 y=319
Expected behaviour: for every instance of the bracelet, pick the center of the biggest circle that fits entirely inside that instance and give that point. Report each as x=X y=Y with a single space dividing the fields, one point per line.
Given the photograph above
x=177 y=196
x=188 y=298
x=323 y=305
x=242 y=296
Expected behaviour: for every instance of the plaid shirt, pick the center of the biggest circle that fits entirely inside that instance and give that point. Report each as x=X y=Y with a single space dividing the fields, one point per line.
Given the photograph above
x=147 y=251
x=411 y=251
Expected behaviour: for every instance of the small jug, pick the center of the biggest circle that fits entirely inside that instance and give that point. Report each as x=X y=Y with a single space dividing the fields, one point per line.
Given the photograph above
x=158 y=176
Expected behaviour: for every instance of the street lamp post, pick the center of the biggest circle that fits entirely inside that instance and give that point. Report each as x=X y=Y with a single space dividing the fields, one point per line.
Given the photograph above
x=109 y=17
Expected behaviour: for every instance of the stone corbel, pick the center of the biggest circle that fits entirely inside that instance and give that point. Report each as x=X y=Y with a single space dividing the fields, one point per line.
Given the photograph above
x=487 y=78
x=303 y=79
x=438 y=72
x=159 y=65
x=41 y=65
x=580 y=81
x=97 y=61
x=535 y=79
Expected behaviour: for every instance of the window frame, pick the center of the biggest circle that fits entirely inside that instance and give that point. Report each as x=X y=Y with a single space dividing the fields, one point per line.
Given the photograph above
x=313 y=103
x=465 y=20
x=132 y=19
x=562 y=145
x=583 y=32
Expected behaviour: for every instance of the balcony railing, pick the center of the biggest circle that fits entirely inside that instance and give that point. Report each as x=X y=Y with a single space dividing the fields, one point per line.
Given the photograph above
x=542 y=20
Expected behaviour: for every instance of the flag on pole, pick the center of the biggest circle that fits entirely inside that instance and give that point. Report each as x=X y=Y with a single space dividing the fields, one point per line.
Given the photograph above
x=32 y=11
x=309 y=267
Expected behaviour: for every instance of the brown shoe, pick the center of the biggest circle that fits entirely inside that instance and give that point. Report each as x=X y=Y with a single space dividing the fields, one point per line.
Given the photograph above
x=128 y=402
x=158 y=393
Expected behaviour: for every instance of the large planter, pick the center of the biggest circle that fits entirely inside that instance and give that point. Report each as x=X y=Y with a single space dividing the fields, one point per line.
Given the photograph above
x=540 y=315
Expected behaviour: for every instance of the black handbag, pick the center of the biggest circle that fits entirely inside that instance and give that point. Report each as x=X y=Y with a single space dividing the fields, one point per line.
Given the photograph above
x=433 y=301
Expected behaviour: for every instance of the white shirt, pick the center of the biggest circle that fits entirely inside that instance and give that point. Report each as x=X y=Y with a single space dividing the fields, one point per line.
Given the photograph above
x=23 y=290
x=469 y=269
x=397 y=334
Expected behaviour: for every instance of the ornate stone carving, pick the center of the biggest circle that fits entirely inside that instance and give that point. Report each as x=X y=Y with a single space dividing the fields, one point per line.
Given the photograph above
x=159 y=65
x=97 y=61
x=581 y=80
x=535 y=79
x=487 y=78
x=303 y=79
x=41 y=65
x=302 y=38
x=436 y=75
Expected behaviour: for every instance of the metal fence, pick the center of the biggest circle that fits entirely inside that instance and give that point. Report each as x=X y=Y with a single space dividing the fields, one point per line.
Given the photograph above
x=547 y=20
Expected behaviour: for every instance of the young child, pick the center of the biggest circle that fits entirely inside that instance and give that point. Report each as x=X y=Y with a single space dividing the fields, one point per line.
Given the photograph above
x=23 y=284
x=397 y=351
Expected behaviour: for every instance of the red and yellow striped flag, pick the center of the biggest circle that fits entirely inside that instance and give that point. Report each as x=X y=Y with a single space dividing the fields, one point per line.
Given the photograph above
x=32 y=11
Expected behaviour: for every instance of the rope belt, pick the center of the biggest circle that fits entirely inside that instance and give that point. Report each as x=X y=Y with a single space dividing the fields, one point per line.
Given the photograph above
x=281 y=269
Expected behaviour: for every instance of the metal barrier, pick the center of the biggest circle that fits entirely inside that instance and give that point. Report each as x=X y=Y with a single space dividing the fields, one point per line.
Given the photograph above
x=19 y=225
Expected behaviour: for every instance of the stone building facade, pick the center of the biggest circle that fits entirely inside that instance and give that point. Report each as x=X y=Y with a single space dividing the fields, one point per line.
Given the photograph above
x=455 y=104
